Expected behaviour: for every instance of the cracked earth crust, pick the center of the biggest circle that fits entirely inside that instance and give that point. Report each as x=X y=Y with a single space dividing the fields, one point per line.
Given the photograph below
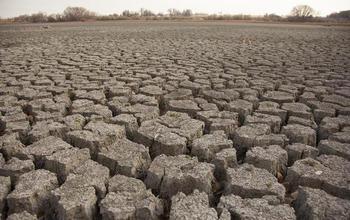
x=174 y=120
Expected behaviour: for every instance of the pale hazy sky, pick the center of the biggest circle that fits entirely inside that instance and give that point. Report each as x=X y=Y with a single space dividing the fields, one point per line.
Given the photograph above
x=10 y=8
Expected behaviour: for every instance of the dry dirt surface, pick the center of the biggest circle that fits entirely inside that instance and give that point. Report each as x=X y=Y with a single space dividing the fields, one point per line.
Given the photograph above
x=174 y=120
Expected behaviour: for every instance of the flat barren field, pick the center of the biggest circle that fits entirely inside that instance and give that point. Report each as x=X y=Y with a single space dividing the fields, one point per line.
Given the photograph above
x=174 y=120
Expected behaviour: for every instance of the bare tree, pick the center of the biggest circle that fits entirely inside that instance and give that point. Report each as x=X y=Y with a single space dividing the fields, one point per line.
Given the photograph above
x=127 y=13
x=187 y=13
x=174 y=12
x=77 y=14
x=55 y=18
x=146 y=12
x=39 y=17
x=21 y=18
x=303 y=11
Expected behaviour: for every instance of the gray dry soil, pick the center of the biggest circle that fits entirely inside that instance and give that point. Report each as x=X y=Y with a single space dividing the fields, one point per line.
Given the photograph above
x=174 y=120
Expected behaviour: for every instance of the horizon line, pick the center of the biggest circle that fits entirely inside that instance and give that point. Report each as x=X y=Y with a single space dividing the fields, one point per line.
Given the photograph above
x=167 y=13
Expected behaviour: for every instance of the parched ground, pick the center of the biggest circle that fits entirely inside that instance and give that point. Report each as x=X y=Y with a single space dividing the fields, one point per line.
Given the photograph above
x=174 y=120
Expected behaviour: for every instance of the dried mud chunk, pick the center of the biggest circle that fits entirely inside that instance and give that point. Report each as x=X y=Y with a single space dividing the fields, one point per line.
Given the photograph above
x=186 y=106
x=182 y=124
x=245 y=136
x=44 y=129
x=194 y=87
x=208 y=107
x=14 y=114
x=119 y=91
x=333 y=125
x=212 y=114
x=47 y=116
x=242 y=107
x=193 y=206
x=338 y=164
x=273 y=121
x=130 y=123
x=42 y=148
x=5 y=188
x=317 y=204
x=300 y=134
x=130 y=206
x=272 y=158
x=337 y=99
x=73 y=203
x=255 y=208
x=74 y=122
x=168 y=143
x=298 y=110
x=14 y=168
x=219 y=120
x=224 y=159
x=96 y=136
x=148 y=131
x=320 y=114
x=96 y=96
x=311 y=173
x=90 y=173
x=278 y=96
x=120 y=183
x=271 y=139
x=129 y=199
x=32 y=192
x=179 y=94
x=172 y=124
x=151 y=90
x=125 y=157
x=87 y=139
x=64 y=161
x=80 y=103
x=144 y=100
x=272 y=108
x=212 y=95
x=299 y=151
x=87 y=108
x=169 y=175
x=334 y=148
x=21 y=216
x=307 y=96
x=248 y=181
x=7 y=100
x=327 y=129
x=110 y=130
x=343 y=137
x=229 y=126
x=208 y=145
x=44 y=105
x=10 y=145
x=22 y=127
x=141 y=112
x=301 y=121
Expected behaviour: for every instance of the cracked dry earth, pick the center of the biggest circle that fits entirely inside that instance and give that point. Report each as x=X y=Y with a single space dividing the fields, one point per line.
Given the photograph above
x=170 y=120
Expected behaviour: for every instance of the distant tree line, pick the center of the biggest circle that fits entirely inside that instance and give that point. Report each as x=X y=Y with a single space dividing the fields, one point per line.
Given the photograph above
x=69 y=14
x=343 y=15
x=82 y=14
x=298 y=13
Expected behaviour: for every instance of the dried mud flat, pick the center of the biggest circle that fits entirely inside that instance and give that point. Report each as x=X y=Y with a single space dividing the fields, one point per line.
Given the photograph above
x=171 y=120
